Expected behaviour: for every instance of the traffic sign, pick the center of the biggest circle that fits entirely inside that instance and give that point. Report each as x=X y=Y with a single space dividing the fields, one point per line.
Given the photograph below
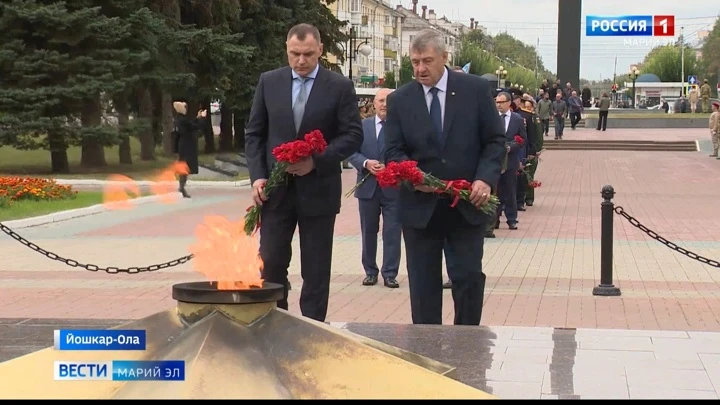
x=692 y=79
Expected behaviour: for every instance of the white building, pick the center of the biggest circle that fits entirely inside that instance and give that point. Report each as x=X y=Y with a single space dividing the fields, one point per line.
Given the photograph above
x=415 y=22
x=377 y=30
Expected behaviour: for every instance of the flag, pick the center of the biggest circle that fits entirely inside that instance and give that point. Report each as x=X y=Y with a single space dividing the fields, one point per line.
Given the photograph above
x=466 y=68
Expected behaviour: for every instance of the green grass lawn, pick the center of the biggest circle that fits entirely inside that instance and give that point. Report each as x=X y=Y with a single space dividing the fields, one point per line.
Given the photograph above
x=26 y=209
x=36 y=163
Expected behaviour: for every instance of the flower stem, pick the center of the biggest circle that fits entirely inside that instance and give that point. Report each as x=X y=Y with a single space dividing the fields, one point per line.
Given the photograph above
x=355 y=187
x=277 y=178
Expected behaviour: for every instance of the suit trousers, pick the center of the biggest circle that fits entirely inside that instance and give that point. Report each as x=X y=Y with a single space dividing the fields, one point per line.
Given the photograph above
x=370 y=211
x=424 y=247
x=522 y=188
x=530 y=193
x=316 y=243
x=507 y=194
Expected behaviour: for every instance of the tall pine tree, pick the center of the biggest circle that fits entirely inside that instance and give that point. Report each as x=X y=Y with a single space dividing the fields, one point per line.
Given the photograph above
x=55 y=63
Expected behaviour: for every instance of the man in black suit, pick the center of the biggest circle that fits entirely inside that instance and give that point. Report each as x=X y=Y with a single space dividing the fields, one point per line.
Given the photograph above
x=507 y=187
x=290 y=102
x=446 y=121
x=374 y=201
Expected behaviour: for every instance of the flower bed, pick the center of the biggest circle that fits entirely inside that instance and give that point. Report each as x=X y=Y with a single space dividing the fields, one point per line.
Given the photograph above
x=32 y=189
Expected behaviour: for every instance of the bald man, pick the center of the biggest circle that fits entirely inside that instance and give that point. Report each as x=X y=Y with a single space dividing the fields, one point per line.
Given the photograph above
x=374 y=201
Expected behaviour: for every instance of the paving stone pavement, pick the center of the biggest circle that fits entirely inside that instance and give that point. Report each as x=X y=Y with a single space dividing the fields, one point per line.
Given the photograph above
x=540 y=275
x=509 y=362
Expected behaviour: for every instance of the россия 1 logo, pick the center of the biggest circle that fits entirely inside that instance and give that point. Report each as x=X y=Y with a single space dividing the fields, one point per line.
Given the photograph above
x=630 y=26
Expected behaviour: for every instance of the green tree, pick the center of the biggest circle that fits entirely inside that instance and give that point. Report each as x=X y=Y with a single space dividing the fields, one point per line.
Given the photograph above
x=481 y=61
x=505 y=46
x=53 y=75
x=406 y=71
x=710 y=62
x=664 y=62
x=389 y=82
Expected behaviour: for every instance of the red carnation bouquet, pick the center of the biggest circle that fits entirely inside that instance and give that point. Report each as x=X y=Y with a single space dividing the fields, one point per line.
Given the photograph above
x=407 y=171
x=285 y=154
x=530 y=179
x=517 y=140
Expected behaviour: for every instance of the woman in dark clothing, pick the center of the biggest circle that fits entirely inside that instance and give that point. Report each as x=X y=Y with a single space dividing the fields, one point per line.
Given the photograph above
x=185 y=141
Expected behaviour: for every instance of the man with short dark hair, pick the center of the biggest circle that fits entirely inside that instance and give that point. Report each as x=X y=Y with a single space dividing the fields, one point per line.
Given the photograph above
x=446 y=122
x=310 y=199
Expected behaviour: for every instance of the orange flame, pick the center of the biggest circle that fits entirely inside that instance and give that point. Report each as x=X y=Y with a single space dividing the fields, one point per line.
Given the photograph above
x=226 y=255
x=117 y=193
x=121 y=189
x=164 y=186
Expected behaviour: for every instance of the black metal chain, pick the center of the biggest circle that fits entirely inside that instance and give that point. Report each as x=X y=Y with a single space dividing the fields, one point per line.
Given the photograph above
x=92 y=267
x=619 y=210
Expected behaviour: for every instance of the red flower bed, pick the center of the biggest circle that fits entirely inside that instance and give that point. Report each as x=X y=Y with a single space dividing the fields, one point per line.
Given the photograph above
x=28 y=188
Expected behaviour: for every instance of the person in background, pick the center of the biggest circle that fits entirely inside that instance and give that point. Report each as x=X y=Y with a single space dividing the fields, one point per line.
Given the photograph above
x=559 y=112
x=374 y=201
x=185 y=141
x=715 y=128
x=604 y=108
x=575 y=109
x=586 y=96
x=533 y=160
x=705 y=96
x=693 y=97
x=544 y=112
x=529 y=148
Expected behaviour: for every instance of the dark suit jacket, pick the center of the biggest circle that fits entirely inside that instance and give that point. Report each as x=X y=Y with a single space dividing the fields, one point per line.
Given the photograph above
x=530 y=147
x=517 y=152
x=331 y=108
x=473 y=147
x=369 y=150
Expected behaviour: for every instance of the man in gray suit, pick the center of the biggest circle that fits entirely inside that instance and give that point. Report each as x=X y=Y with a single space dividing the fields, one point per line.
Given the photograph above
x=374 y=201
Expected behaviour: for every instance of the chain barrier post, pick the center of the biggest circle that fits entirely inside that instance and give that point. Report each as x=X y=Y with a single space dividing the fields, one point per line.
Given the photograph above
x=607 y=211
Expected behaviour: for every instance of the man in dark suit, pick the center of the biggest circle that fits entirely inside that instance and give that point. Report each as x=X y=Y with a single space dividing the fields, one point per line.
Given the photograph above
x=530 y=151
x=507 y=187
x=446 y=121
x=290 y=102
x=374 y=201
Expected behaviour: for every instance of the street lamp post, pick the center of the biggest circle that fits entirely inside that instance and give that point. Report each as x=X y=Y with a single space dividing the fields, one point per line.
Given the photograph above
x=634 y=73
x=501 y=75
x=353 y=49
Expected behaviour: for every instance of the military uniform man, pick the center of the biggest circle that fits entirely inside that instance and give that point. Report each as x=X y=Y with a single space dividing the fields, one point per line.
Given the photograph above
x=705 y=96
x=533 y=160
x=530 y=149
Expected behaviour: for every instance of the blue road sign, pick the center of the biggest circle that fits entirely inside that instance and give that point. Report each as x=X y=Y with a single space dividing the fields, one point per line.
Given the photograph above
x=692 y=80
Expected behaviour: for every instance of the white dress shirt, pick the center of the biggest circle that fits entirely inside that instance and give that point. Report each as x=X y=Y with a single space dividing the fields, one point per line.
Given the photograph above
x=442 y=93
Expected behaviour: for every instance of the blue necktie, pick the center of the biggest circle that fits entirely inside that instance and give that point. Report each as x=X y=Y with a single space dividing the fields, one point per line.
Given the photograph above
x=436 y=114
x=381 y=141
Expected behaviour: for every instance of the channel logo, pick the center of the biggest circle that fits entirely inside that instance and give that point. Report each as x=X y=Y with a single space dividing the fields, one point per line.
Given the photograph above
x=630 y=26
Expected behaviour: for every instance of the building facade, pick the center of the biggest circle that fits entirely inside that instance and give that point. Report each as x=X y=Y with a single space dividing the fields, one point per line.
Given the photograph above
x=377 y=31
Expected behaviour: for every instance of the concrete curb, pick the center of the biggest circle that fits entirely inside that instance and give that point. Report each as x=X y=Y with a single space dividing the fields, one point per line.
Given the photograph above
x=190 y=183
x=80 y=212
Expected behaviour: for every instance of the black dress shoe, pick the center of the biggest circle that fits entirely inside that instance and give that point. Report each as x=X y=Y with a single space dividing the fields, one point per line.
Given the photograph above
x=529 y=204
x=512 y=226
x=370 y=280
x=391 y=283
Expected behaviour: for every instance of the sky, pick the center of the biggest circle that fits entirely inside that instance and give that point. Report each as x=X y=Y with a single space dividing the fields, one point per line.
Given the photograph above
x=530 y=20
